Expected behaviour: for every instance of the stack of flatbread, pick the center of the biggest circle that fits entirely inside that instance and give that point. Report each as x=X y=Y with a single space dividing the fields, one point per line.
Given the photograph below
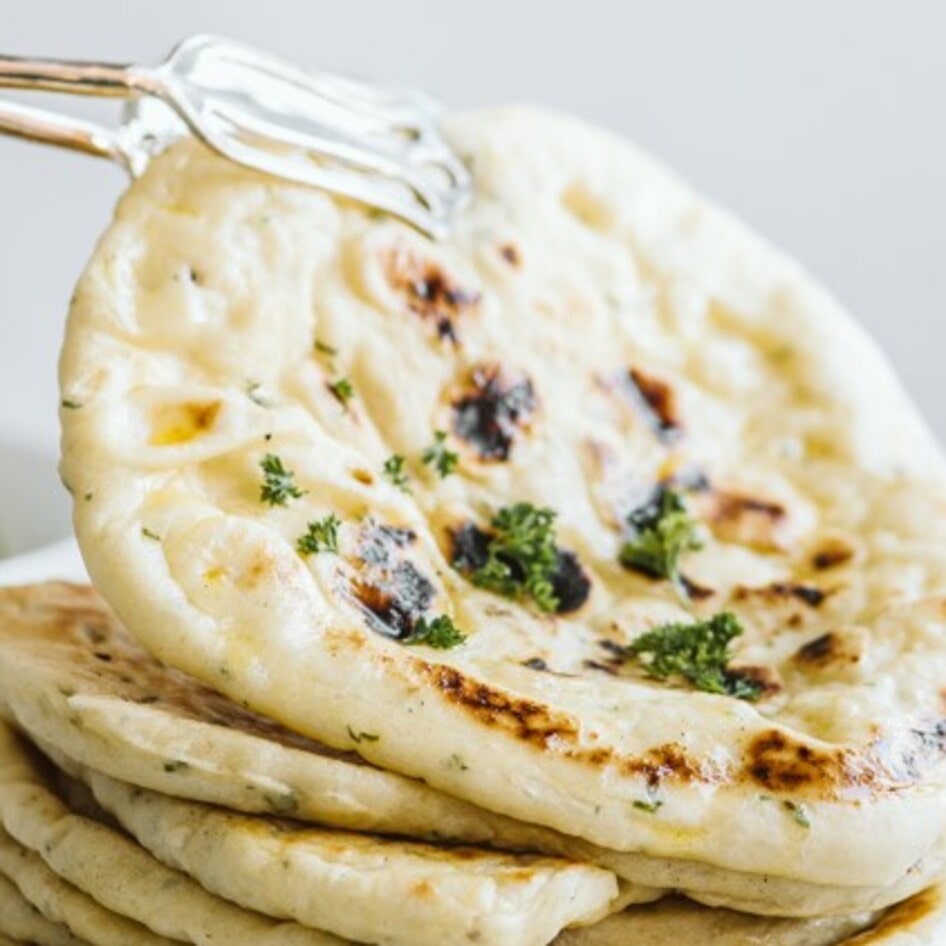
x=579 y=579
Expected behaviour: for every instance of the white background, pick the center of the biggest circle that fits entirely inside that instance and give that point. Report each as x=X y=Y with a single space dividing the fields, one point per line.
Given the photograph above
x=822 y=122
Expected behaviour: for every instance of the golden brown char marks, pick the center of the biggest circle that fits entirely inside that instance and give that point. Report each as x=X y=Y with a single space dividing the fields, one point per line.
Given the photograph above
x=903 y=917
x=748 y=520
x=780 y=764
x=808 y=594
x=658 y=403
x=430 y=292
x=830 y=649
x=831 y=553
x=534 y=723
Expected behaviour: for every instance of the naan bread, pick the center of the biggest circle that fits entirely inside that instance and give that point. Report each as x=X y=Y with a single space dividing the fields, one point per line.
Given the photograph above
x=591 y=329
x=75 y=681
x=919 y=921
x=62 y=903
x=385 y=892
x=21 y=921
x=117 y=873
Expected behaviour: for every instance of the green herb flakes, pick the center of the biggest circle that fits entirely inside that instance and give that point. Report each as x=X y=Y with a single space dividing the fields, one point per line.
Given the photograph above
x=148 y=534
x=321 y=536
x=395 y=473
x=359 y=737
x=698 y=652
x=69 y=404
x=651 y=806
x=437 y=455
x=660 y=532
x=440 y=633
x=522 y=556
x=278 y=486
x=343 y=390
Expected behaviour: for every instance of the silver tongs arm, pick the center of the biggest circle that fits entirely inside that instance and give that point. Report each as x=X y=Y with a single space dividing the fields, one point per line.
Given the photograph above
x=71 y=78
x=377 y=146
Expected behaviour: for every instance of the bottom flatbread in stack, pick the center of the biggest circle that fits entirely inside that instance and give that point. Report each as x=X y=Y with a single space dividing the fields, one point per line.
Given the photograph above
x=141 y=809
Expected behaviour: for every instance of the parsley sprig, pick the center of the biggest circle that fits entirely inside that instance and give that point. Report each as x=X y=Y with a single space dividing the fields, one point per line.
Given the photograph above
x=278 y=482
x=395 y=473
x=522 y=556
x=660 y=532
x=343 y=390
x=437 y=455
x=440 y=633
x=698 y=652
x=320 y=536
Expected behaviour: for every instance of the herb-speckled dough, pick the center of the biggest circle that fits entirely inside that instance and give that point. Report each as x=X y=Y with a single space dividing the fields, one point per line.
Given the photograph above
x=74 y=679
x=190 y=355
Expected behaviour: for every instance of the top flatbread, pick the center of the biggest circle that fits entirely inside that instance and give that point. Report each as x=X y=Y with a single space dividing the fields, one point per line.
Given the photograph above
x=592 y=328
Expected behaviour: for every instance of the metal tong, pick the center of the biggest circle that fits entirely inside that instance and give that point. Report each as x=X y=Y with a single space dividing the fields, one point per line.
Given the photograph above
x=378 y=146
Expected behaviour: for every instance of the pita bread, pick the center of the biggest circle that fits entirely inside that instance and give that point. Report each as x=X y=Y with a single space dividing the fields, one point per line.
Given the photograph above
x=73 y=678
x=592 y=329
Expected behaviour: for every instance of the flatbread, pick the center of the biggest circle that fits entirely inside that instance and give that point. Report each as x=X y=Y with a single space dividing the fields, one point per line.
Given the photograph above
x=325 y=880
x=590 y=330
x=62 y=903
x=22 y=922
x=74 y=680
x=357 y=887
x=918 y=921
x=120 y=875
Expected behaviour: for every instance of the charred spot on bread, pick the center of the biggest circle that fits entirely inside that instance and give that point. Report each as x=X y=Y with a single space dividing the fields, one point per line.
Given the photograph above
x=431 y=293
x=808 y=594
x=657 y=402
x=831 y=553
x=493 y=411
x=739 y=517
x=377 y=542
x=395 y=599
x=570 y=583
x=391 y=589
x=510 y=253
x=470 y=551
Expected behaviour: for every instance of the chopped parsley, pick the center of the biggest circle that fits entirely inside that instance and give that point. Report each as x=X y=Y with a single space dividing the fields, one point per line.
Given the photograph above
x=440 y=633
x=362 y=736
x=395 y=473
x=698 y=652
x=278 y=486
x=69 y=404
x=176 y=765
x=437 y=455
x=324 y=349
x=148 y=534
x=522 y=557
x=343 y=390
x=254 y=392
x=651 y=806
x=660 y=532
x=321 y=536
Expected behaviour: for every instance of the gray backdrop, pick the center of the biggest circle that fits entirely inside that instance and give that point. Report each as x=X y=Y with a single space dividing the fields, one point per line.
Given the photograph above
x=820 y=121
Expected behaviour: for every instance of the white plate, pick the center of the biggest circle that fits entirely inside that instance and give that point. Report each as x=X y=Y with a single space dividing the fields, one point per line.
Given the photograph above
x=36 y=540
